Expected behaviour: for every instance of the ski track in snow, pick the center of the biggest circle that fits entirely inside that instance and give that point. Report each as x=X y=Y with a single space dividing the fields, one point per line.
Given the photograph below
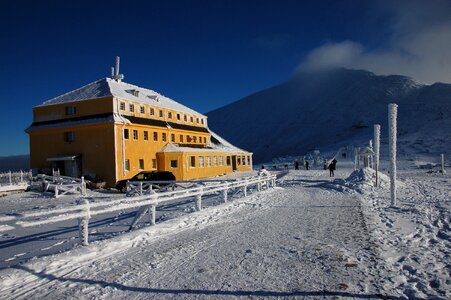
x=308 y=238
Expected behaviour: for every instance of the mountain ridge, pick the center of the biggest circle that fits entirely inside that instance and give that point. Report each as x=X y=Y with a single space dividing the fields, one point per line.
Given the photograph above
x=333 y=107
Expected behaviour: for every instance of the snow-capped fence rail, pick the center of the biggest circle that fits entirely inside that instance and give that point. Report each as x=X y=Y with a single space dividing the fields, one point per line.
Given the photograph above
x=84 y=210
x=134 y=188
x=11 y=181
x=62 y=185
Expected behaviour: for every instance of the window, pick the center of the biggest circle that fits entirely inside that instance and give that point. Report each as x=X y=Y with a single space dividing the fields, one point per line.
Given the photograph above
x=172 y=137
x=201 y=161
x=205 y=140
x=135 y=134
x=200 y=139
x=69 y=137
x=221 y=160
x=194 y=139
x=126 y=134
x=188 y=138
x=71 y=110
x=228 y=161
x=160 y=113
x=169 y=115
x=244 y=160
x=155 y=136
x=122 y=105
x=192 y=161
x=131 y=107
x=154 y=163
x=208 y=161
x=185 y=118
x=127 y=165
x=178 y=117
x=152 y=112
x=181 y=138
x=202 y=121
x=191 y=119
x=248 y=160
x=141 y=109
x=239 y=160
x=146 y=136
x=141 y=164
x=173 y=163
x=163 y=137
x=197 y=120
x=215 y=161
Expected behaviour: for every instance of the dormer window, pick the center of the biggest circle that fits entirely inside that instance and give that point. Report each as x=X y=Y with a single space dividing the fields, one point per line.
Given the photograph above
x=71 y=110
x=135 y=93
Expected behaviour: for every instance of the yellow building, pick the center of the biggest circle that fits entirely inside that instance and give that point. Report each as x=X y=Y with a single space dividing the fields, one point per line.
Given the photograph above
x=111 y=130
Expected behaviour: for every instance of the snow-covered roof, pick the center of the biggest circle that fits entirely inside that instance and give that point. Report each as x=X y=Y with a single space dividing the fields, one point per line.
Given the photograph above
x=109 y=87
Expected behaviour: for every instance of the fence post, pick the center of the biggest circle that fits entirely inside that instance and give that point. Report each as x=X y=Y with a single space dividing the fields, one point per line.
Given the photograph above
x=443 y=163
x=392 y=131
x=199 y=200
x=377 y=135
x=21 y=176
x=83 y=186
x=140 y=188
x=224 y=195
x=83 y=223
x=152 y=214
x=273 y=182
x=245 y=191
x=56 y=191
x=10 y=178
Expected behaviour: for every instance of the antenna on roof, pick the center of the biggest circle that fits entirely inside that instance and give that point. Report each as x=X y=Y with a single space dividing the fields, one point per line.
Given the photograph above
x=115 y=75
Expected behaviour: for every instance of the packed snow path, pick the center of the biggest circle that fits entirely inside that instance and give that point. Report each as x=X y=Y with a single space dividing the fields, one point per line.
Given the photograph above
x=297 y=240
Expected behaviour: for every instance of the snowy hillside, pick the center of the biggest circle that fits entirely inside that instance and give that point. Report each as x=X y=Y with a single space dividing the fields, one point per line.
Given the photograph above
x=333 y=108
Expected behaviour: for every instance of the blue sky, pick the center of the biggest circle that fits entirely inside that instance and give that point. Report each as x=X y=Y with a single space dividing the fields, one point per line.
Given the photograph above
x=204 y=54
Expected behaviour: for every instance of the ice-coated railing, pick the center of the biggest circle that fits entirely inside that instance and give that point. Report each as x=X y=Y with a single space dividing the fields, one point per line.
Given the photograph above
x=146 y=202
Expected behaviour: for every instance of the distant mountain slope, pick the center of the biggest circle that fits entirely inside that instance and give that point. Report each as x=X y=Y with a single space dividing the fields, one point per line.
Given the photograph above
x=14 y=163
x=340 y=106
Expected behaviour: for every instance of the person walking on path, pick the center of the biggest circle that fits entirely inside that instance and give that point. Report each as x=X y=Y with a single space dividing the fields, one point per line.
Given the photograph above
x=332 y=167
x=296 y=165
x=306 y=165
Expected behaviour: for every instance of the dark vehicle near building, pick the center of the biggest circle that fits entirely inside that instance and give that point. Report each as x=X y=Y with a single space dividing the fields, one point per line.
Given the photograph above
x=146 y=176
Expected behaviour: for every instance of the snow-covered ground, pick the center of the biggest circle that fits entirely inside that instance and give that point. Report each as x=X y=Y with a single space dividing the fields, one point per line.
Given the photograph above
x=311 y=237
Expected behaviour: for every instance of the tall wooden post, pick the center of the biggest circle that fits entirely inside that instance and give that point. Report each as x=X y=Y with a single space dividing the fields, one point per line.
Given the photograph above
x=392 y=132
x=377 y=143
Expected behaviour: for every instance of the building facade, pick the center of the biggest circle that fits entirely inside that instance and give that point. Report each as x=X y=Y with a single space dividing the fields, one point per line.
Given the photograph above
x=111 y=130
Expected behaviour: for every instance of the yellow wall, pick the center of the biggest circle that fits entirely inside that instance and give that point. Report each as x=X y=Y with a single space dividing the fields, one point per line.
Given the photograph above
x=185 y=171
x=84 y=108
x=197 y=118
x=135 y=149
x=94 y=142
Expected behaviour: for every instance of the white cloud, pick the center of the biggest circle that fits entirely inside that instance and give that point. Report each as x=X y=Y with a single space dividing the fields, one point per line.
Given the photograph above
x=419 y=46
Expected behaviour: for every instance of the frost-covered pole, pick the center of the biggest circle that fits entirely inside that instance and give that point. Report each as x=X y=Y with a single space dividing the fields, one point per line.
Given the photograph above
x=443 y=163
x=199 y=200
x=224 y=194
x=10 y=178
x=377 y=143
x=355 y=158
x=83 y=222
x=392 y=131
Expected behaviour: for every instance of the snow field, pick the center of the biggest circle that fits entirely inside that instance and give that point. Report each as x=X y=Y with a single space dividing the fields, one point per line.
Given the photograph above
x=311 y=237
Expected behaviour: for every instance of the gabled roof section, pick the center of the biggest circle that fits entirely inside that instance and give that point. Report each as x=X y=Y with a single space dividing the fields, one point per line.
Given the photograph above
x=109 y=87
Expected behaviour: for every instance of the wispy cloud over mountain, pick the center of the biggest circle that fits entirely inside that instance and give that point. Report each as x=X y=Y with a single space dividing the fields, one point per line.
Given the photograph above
x=418 y=45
